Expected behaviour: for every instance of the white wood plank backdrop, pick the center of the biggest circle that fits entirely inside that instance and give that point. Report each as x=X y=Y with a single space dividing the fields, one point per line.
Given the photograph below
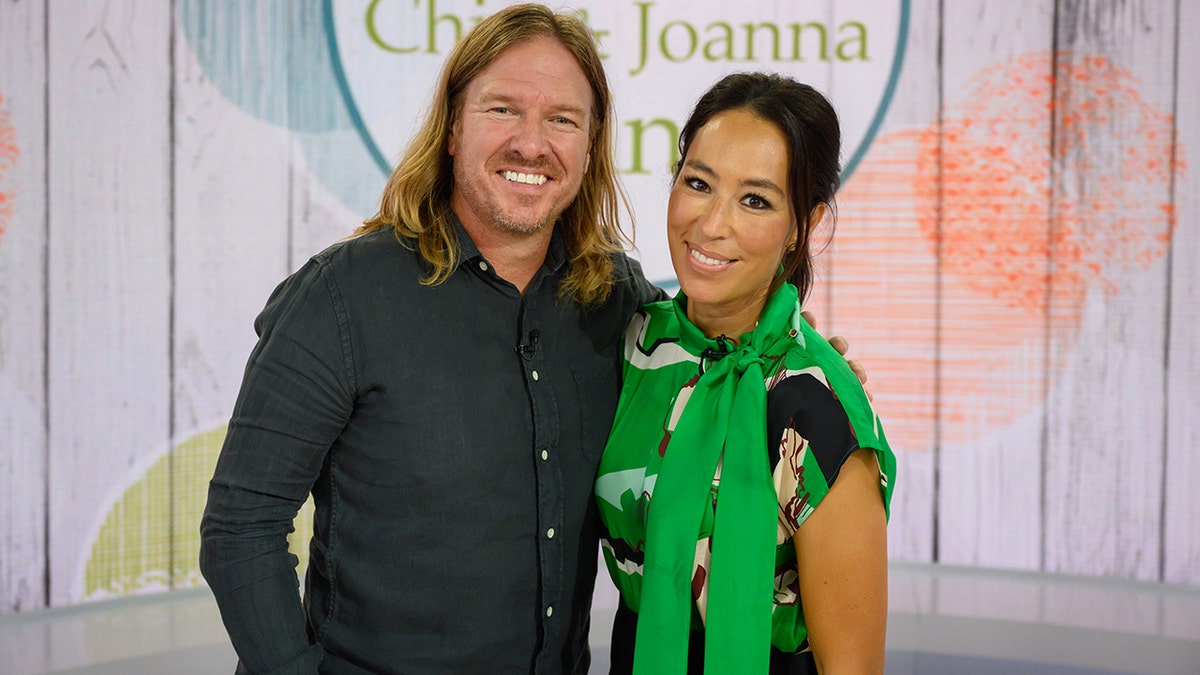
x=878 y=258
x=232 y=231
x=1181 y=499
x=23 y=445
x=991 y=370
x=1103 y=496
x=1027 y=313
x=109 y=222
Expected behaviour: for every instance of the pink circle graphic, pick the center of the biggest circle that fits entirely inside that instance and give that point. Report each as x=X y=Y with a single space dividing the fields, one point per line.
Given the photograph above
x=8 y=159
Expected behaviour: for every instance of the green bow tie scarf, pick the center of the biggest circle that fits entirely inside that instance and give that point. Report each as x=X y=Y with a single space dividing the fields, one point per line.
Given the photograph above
x=724 y=421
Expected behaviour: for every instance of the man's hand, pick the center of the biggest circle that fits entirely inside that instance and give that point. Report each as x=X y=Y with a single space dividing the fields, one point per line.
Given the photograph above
x=842 y=346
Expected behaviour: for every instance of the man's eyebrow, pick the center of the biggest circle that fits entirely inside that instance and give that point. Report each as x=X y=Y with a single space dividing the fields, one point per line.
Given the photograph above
x=570 y=109
x=761 y=183
x=504 y=97
x=496 y=97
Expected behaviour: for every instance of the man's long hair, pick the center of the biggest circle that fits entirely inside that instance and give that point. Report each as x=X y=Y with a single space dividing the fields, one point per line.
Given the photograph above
x=416 y=200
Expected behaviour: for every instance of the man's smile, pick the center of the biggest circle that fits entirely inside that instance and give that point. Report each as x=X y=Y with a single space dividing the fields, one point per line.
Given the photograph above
x=526 y=178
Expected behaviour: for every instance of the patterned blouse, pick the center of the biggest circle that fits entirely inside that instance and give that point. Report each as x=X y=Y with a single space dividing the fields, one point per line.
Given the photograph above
x=817 y=416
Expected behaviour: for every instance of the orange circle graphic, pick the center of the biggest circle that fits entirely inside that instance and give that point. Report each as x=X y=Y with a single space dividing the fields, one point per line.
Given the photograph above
x=965 y=250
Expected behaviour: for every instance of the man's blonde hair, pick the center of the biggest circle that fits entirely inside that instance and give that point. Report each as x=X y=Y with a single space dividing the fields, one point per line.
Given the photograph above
x=416 y=200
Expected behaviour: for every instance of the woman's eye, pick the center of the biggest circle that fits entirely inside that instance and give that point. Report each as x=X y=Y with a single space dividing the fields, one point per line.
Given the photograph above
x=696 y=184
x=756 y=202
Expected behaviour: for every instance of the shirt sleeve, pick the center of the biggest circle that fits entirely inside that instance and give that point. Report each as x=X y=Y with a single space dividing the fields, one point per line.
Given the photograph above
x=296 y=396
x=813 y=438
x=643 y=291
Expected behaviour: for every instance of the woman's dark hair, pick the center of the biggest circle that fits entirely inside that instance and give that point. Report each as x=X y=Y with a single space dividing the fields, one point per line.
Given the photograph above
x=810 y=124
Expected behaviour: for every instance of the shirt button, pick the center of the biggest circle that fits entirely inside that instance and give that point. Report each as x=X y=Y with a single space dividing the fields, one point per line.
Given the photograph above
x=545 y=455
x=549 y=612
x=483 y=265
x=535 y=376
x=550 y=533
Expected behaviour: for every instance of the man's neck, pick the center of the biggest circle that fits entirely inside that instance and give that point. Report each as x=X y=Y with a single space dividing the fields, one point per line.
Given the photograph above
x=514 y=256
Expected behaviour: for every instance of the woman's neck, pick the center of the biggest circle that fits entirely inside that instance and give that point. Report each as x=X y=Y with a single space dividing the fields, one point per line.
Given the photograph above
x=715 y=320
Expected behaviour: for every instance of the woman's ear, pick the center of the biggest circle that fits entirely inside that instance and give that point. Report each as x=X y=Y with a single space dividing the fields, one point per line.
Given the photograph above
x=816 y=216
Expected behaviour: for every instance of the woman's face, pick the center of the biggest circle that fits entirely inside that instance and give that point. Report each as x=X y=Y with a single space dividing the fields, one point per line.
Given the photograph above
x=730 y=219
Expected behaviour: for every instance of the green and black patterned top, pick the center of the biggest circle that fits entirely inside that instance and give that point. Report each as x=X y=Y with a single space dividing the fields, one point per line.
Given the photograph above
x=761 y=427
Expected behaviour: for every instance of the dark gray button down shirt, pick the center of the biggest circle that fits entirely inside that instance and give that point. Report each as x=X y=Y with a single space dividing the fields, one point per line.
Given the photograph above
x=449 y=435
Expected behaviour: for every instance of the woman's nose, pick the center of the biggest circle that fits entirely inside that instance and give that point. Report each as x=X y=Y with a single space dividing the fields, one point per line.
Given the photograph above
x=714 y=222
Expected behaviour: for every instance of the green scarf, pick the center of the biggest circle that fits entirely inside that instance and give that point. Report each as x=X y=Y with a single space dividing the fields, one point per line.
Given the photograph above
x=724 y=420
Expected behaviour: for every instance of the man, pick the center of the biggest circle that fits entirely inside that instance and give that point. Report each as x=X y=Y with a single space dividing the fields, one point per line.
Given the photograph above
x=443 y=385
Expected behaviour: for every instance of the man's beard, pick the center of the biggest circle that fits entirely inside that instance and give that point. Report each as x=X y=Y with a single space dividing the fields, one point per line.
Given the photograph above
x=502 y=222
x=495 y=213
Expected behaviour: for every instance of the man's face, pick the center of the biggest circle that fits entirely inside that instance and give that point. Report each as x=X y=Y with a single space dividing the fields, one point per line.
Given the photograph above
x=520 y=141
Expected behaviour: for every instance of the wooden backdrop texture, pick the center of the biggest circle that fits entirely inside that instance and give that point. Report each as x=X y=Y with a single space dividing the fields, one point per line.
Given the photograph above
x=1015 y=262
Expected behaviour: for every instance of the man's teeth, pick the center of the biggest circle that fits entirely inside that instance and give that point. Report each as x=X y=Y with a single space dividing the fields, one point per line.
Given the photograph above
x=527 y=178
x=707 y=260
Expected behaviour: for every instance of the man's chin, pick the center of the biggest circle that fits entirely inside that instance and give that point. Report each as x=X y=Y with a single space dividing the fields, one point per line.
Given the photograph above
x=522 y=225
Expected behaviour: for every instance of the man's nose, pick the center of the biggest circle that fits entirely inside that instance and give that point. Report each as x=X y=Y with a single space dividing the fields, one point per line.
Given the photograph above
x=529 y=139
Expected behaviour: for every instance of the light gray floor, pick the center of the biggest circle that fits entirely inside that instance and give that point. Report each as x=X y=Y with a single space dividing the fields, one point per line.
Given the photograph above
x=941 y=621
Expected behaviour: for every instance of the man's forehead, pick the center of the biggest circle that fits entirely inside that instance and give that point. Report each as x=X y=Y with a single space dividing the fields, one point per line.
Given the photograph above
x=517 y=72
x=516 y=89
x=529 y=52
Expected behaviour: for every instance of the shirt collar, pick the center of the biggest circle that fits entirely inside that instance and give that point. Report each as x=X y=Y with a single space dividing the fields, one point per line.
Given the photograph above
x=466 y=246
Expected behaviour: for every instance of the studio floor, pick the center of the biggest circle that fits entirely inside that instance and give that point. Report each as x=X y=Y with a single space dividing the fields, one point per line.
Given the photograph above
x=941 y=621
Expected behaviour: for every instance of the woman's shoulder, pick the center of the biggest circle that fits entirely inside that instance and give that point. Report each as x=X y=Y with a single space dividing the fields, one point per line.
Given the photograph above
x=803 y=404
x=811 y=356
x=652 y=338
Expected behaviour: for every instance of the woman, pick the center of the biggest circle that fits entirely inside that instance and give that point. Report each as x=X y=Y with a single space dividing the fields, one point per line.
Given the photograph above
x=745 y=486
